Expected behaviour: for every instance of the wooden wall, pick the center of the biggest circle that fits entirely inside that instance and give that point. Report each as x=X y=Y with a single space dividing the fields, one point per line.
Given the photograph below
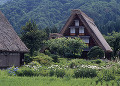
x=13 y=59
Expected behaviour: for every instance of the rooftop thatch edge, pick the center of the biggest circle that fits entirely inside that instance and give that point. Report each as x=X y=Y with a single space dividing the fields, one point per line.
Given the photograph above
x=9 y=40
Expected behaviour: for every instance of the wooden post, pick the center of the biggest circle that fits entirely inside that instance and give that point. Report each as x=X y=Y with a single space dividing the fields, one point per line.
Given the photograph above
x=21 y=59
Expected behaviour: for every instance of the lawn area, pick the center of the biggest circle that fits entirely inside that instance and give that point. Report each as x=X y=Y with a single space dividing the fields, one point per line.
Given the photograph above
x=51 y=81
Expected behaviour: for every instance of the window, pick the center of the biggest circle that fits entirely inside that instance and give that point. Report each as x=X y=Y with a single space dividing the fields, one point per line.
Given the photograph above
x=72 y=31
x=81 y=30
x=86 y=40
x=76 y=22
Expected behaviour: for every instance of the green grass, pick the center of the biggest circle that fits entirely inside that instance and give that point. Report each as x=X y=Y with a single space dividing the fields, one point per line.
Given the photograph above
x=6 y=80
x=50 y=81
x=67 y=80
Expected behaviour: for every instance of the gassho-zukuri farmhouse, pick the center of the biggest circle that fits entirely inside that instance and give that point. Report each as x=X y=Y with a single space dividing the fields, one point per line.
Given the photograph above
x=12 y=49
x=80 y=25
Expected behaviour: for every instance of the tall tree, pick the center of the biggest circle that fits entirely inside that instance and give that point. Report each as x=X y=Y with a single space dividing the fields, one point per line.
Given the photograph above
x=114 y=41
x=32 y=36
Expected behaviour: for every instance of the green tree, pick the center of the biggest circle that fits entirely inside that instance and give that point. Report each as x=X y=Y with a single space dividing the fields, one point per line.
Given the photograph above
x=55 y=12
x=54 y=29
x=47 y=31
x=32 y=36
x=95 y=52
x=64 y=45
x=114 y=41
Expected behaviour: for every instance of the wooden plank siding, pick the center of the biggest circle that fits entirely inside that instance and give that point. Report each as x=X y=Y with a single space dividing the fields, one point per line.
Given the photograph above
x=13 y=59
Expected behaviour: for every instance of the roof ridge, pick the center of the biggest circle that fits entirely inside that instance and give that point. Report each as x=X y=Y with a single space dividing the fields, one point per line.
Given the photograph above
x=78 y=11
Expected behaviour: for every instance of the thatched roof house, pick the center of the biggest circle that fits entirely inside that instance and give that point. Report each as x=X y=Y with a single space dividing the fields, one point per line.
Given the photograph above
x=12 y=49
x=80 y=25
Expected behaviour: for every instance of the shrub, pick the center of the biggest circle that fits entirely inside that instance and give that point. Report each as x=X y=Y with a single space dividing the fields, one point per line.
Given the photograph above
x=106 y=75
x=57 y=70
x=33 y=63
x=74 y=63
x=44 y=72
x=55 y=57
x=60 y=73
x=62 y=61
x=118 y=71
x=43 y=59
x=63 y=45
x=85 y=72
x=69 y=73
x=27 y=58
x=12 y=71
x=98 y=61
x=47 y=52
x=118 y=82
x=25 y=71
x=70 y=55
x=52 y=72
x=95 y=52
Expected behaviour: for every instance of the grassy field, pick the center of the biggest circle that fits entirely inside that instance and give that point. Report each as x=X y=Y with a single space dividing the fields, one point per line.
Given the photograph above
x=108 y=74
x=6 y=80
x=51 y=81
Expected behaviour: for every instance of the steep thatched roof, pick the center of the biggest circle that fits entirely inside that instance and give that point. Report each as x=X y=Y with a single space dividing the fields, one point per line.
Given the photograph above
x=9 y=40
x=90 y=26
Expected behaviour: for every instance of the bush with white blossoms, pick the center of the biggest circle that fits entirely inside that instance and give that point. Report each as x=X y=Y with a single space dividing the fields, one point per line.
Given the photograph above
x=91 y=66
x=57 y=70
x=34 y=65
x=58 y=67
x=85 y=73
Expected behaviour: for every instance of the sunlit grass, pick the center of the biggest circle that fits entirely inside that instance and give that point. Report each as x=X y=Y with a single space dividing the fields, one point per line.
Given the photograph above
x=67 y=80
x=51 y=81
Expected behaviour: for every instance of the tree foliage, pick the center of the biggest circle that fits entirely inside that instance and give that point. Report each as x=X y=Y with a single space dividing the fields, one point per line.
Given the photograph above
x=32 y=36
x=3 y=1
x=63 y=45
x=106 y=13
x=114 y=41
x=95 y=52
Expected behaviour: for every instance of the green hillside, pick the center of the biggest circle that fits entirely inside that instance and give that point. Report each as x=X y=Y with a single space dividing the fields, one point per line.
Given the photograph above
x=106 y=13
x=4 y=1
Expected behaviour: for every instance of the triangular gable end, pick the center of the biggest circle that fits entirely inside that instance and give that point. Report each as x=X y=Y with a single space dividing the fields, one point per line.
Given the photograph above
x=90 y=31
x=9 y=40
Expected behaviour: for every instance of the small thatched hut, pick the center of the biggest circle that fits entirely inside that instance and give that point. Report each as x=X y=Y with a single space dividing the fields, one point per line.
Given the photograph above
x=12 y=49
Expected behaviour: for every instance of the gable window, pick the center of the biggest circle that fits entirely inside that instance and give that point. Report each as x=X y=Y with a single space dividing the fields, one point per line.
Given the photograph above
x=86 y=40
x=72 y=31
x=81 y=31
x=76 y=22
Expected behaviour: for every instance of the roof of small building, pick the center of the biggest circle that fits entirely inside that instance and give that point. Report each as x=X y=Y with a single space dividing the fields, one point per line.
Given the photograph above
x=56 y=34
x=9 y=40
x=90 y=26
